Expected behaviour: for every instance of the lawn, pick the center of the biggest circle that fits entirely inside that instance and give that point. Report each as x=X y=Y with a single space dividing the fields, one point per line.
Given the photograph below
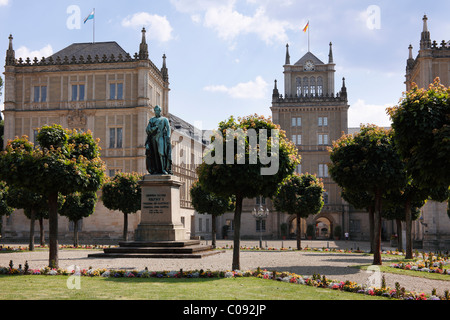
x=92 y=288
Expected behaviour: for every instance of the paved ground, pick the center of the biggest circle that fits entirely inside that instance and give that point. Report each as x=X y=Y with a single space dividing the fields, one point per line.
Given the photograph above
x=333 y=265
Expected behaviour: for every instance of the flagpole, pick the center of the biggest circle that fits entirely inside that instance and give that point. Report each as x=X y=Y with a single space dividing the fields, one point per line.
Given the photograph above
x=93 y=28
x=308 y=37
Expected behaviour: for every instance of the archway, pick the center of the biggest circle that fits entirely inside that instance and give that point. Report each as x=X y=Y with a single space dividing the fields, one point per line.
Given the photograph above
x=293 y=226
x=323 y=228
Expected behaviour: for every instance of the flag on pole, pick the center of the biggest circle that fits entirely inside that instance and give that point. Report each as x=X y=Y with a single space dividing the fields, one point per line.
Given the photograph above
x=306 y=27
x=89 y=17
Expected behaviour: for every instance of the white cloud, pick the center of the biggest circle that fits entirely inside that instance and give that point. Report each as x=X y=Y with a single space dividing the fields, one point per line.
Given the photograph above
x=4 y=2
x=158 y=27
x=228 y=23
x=247 y=90
x=23 y=52
x=363 y=113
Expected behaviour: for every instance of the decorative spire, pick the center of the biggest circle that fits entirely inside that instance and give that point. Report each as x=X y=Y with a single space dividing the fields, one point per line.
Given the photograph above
x=10 y=54
x=275 y=94
x=343 y=89
x=164 y=69
x=410 y=52
x=425 y=40
x=330 y=55
x=288 y=57
x=143 y=48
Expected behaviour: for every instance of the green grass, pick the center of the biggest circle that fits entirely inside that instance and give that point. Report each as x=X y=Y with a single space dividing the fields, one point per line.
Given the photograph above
x=55 y=288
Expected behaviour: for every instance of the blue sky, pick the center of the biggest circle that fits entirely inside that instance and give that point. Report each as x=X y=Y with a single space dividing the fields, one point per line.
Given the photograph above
x=224 y=55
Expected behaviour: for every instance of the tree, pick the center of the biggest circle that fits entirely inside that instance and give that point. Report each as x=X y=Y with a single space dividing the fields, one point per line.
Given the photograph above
x=301 y=195
x=368 y=161
x=205 y=202
x=5 y=209
x=2 y=123
x=123 y=193
x=34 y=205
x=77 y=206
x=421 y=123
x=250 y=161
x=56 y=167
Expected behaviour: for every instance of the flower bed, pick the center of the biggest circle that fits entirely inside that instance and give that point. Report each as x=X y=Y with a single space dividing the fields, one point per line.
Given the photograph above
x=315 y=280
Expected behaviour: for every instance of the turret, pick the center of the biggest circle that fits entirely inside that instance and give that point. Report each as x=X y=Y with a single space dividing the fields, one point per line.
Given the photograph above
x=288 y=57
x=164 y=70
x=10 y=54
x=330 y=54
x=425 y=40
x=275 y=94
x=143 y=48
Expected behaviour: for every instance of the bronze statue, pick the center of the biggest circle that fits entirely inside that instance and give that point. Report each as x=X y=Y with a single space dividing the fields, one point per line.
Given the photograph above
x=158 y=147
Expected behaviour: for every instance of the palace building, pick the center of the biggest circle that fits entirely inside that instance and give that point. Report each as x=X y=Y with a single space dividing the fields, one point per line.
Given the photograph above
x=97 y=87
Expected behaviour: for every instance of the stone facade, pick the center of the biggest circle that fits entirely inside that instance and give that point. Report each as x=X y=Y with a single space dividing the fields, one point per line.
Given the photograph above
x=432 y=230
x=101 y=88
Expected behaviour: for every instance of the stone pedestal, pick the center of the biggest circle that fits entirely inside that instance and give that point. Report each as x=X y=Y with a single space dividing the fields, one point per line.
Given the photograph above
x=160 y=211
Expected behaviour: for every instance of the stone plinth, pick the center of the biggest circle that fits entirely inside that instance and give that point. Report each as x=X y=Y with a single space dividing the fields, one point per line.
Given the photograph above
x=160 y=209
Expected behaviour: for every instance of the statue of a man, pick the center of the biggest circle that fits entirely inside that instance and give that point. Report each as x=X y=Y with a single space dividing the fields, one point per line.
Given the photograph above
x=158 y=147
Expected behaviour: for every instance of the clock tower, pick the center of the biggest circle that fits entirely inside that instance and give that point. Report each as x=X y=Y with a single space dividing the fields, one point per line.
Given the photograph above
x=313 y=115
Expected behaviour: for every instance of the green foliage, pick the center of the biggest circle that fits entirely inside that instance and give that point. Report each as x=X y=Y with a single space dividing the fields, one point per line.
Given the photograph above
x=422 y=133
x=5 y=208
x=208 y=203
x=246 y=179
x=52 y=137
x=301 y=195
x=20 y=198
x=79 y=205
x=122 y=192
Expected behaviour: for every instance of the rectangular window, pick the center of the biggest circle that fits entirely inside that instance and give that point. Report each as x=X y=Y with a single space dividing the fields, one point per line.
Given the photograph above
x=323 y=171
x=116 y=91
x=294 y=139
x=78 y=92
x=299 y=122
x=323 y=121
x=40 y=94
x=299 y=139
x=115 y=138
x=323 y=139
x=200 y=224
x=294 y=122
x=260 y=225
x=299 y=169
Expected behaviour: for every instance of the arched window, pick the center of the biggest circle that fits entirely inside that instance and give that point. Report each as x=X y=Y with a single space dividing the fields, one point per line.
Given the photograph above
x=319 y=86
x=299 y=86
x=313 y=86
x=305 y=86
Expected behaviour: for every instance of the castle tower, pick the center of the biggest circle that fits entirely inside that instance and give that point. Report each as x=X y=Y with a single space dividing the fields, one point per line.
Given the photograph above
x=313 y=115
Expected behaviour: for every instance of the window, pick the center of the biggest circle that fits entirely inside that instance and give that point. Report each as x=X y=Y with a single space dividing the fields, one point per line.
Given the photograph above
x=79 y=225
x=260 y=225
x=230 y=224
x=40 y=94
x=323 y=139
x=323 y=171
x=325 y=197
x=297 y=139
x=78 y=92
x=207 y=225
x=323 y=121
x=298 y=169
x=260 y=200
x=116 y=91
x=305 y=86
x=319 y=86
x=200 y=224
x=294 y=139
x=296 y=122
x=355 y=225
x=313 y=86
x=298 y=82
x=115 y=138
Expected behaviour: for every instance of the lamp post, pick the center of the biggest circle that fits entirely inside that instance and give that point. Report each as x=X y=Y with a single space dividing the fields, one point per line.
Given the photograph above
x=260 y=214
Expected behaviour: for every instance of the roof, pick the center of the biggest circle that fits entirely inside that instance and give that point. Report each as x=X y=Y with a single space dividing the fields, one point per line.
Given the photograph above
x=184 y=127
x=92 y=49
x=308 y=56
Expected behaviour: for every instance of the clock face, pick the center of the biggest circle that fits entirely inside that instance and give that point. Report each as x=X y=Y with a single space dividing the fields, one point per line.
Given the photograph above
x=309 y=65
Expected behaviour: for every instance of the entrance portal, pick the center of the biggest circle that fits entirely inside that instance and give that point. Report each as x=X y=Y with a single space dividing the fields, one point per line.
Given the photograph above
x=323 y=228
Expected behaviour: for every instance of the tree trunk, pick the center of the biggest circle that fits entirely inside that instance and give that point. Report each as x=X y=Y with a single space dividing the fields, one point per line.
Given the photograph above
x=399 y=235
x=213 y=231
x=371 y=229
x=53 y=230
x=75 y=234
x=41 y=231
x=32 y=220
x=125 y=227
x=377 y=229
x=237 y=233
x=408 y=253
x=299 y=235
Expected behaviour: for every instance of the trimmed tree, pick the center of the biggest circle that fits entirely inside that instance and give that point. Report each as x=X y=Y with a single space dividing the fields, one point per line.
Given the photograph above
x=300 y=195
x=77 y=206
x=247 y=158
x=205 y=202
x=123 y=193
x=368 y=161
x=57 y=167
x=5 y=209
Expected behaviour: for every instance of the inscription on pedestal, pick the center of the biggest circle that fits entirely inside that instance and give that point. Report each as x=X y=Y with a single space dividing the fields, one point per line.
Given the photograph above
x=156 y=203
